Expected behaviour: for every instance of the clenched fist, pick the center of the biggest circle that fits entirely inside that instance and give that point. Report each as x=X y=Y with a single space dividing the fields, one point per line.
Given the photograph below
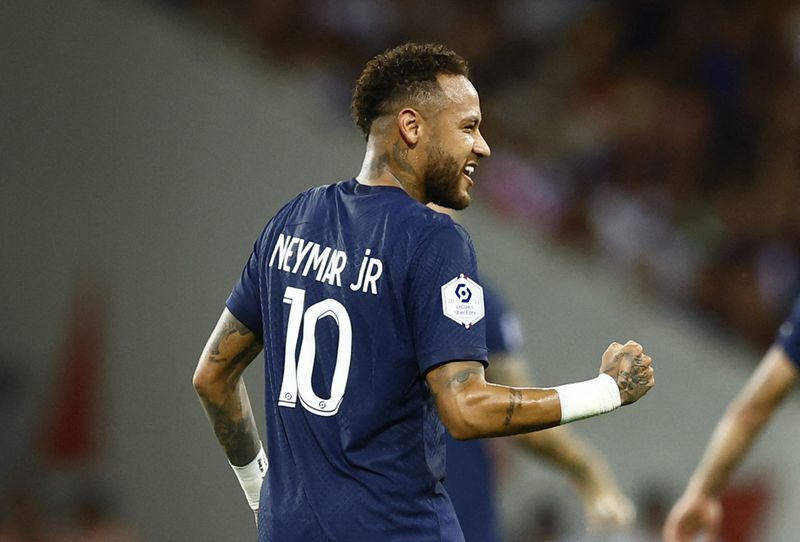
x=630 y=368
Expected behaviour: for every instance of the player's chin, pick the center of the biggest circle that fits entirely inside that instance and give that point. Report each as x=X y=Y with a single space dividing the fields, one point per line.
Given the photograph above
x=461 y=202
x=464 y=192
x=456 y=202
x=456 y=197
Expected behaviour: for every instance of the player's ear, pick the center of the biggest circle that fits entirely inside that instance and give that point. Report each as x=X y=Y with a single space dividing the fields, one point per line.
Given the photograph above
x=409 y=122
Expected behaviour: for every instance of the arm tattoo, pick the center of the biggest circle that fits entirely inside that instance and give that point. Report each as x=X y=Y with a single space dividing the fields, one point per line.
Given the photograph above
x=247 y=355
x=231 y=348
x=514 y=400
x=230 y=327
x=461 y=377
x=239 y=438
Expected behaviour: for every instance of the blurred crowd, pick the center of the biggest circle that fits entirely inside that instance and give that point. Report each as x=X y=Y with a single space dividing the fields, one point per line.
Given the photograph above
x=25 y=516
x=661 y=137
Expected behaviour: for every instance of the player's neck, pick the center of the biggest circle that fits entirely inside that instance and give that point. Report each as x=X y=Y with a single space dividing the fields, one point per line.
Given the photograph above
x=388 y=165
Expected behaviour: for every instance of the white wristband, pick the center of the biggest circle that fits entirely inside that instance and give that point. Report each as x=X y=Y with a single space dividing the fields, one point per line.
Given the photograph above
x=590 y=398
x=251 y=475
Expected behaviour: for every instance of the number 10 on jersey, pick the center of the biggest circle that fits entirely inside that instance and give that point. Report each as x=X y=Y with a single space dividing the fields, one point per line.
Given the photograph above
x=297 y=371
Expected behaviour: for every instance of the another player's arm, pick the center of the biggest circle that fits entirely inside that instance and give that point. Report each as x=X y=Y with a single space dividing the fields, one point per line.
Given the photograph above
x=604 y=501
x=470 y=407
x=698 y=510
x=743 y=420
x=219 y=384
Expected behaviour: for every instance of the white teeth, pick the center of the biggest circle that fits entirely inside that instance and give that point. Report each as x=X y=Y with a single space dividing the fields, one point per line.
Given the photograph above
x=469 y=170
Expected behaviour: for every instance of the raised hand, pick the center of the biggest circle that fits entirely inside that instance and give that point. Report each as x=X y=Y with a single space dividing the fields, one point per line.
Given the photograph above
x=630 y=368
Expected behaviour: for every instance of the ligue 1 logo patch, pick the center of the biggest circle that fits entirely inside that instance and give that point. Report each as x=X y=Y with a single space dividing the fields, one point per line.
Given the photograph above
x=462 y=301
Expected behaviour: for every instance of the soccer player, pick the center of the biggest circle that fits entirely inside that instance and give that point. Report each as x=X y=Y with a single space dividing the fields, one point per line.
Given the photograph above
x=370 y=312
x=470 y=469
x=699 y=511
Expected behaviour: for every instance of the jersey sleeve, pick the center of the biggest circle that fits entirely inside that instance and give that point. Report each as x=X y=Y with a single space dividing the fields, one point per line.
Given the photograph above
x=789 y=334
x=244 y=302
x=446 y=304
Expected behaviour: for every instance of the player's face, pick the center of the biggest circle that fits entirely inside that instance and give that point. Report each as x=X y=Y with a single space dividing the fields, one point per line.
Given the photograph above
x=456 y=145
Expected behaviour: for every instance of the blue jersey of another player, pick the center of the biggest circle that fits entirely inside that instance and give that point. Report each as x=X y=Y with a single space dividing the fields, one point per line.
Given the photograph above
x=470 y=472
x=789 y=334
x=358 y=291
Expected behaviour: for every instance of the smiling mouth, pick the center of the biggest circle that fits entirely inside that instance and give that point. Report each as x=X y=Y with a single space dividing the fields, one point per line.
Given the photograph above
x=468 y=171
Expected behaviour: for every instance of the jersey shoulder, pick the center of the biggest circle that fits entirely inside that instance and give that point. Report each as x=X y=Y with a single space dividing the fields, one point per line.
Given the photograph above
x=303 y=204
x=304 y=207
x=430 y=225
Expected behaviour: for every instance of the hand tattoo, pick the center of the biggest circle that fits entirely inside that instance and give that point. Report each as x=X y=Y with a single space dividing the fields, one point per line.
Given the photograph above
x=630 y=381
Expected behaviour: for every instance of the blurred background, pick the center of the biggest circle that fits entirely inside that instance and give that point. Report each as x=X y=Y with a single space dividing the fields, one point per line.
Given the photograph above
x=643 y=184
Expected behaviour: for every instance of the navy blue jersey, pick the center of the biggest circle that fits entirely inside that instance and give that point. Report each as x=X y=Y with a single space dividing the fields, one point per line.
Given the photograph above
x=358 y=292
x=789 y=334
x=470 y=474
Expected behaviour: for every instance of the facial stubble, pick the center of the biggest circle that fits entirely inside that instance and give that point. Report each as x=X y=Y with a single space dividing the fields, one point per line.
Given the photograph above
x=442 y=180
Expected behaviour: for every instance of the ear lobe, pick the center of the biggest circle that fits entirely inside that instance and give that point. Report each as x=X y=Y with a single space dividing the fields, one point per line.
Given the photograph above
x=409 y=122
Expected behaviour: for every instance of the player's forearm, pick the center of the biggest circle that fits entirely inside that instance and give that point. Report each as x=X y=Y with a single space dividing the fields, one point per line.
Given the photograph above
x=491 y=410
x=218 y=382
x=743 y=421
x=230 y=413
x=557 y=446
x=471 y=408
x=731 y=440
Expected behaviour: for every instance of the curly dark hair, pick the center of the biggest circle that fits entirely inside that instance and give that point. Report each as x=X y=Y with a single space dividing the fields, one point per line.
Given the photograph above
x=405 y=72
